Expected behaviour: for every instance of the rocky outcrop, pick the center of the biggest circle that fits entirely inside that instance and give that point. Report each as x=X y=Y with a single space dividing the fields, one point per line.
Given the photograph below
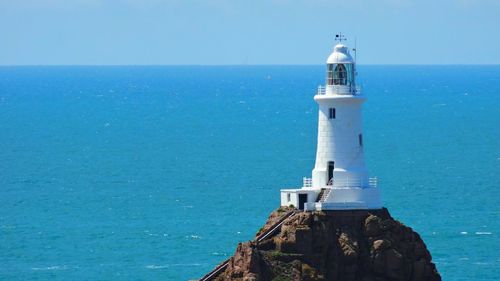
x=333 y=245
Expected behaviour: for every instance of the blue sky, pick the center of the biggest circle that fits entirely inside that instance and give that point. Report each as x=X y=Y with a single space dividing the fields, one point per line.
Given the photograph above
x=213 y=32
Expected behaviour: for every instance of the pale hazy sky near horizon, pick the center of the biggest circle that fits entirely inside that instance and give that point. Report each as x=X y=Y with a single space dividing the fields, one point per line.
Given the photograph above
x=220 y=32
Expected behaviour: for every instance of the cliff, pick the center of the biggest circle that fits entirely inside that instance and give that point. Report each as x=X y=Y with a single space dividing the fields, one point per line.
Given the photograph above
x=330 y=245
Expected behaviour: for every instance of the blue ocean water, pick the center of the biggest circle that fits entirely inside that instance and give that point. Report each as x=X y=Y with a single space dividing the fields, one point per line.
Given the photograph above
x=156 y=173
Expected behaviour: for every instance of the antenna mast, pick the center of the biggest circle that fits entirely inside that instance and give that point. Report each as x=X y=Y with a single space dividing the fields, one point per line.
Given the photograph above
x=355 y=51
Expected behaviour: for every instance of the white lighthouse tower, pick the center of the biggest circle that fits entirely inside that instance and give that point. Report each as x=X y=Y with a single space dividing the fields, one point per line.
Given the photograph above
x=339 y=179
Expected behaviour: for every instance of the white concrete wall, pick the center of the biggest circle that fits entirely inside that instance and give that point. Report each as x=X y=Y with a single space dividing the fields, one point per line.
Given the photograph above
x=338 y=140
x=312 y=195
x=365 y=198
x=293 y=198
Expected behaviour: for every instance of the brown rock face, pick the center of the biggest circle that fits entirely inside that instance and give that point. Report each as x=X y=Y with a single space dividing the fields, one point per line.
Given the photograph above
x=334 y=245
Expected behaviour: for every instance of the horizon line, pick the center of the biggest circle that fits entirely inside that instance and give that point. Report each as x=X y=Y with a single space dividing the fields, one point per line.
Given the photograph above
x=238 y=65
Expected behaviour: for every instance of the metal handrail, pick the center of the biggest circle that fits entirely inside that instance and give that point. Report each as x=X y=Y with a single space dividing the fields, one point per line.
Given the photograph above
x=338 y=90
x=307 y=182
x=372 y=182
x=321 y=90
x=345 y=183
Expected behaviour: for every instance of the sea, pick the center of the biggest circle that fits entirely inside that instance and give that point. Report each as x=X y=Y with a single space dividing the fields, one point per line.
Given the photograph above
x=158 y=172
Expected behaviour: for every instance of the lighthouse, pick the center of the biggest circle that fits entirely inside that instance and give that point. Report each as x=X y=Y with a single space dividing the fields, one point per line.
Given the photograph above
x=340 y=180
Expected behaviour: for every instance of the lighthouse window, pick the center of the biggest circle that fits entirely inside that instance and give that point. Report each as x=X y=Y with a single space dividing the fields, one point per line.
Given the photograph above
x=330 y=74
x=332 y=113
x=360 y=137
x=340 y=75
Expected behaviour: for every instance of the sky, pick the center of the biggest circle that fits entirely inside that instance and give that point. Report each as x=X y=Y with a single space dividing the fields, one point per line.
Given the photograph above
x=252 y=32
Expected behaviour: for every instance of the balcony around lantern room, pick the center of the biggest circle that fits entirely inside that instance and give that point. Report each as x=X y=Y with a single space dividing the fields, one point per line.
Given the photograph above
x=344 y=90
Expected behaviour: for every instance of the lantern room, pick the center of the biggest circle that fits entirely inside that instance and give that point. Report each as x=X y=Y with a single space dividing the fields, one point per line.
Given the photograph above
x=341 y=71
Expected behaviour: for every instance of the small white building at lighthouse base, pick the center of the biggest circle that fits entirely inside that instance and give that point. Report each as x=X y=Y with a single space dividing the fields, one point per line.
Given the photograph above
x=332 y=198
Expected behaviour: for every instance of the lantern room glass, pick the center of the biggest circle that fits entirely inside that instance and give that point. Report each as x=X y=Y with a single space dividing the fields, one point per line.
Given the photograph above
x=340 y=74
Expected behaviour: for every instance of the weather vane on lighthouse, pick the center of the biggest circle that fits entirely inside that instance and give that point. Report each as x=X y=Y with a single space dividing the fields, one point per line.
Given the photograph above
x=340 y=37
x=340 y=179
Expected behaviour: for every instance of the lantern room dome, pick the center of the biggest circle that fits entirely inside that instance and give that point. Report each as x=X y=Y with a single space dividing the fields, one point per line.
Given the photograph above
x=340 y=55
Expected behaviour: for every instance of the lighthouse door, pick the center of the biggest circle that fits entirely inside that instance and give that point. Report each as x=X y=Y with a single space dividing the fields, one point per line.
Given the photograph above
x=331 y=167
x=302 y=201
